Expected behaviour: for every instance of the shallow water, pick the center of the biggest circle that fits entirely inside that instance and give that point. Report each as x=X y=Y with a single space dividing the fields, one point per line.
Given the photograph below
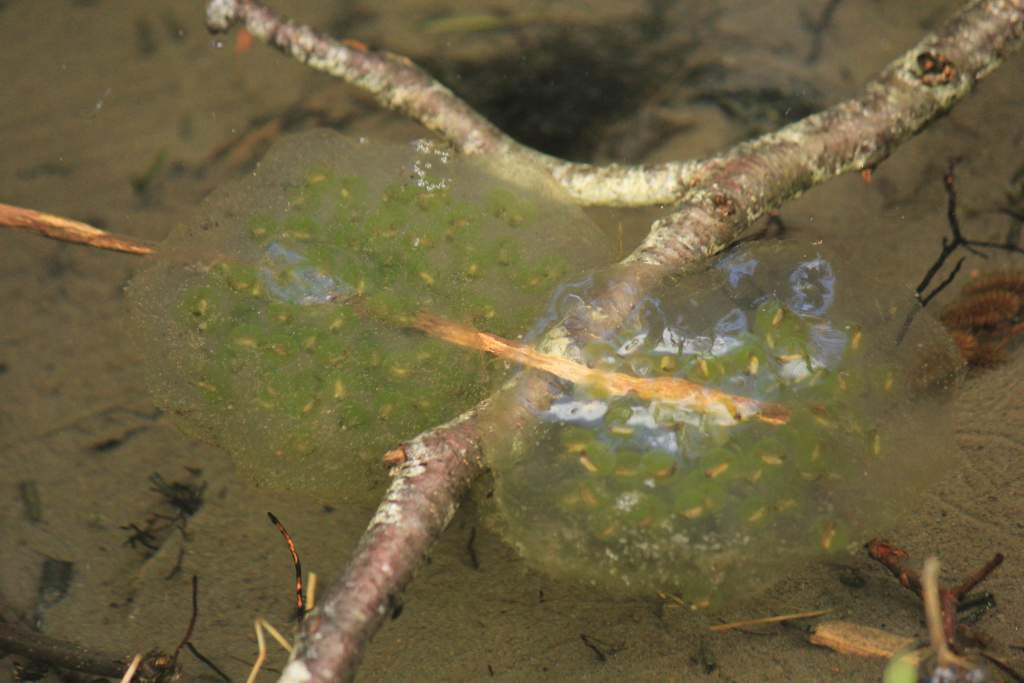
x=111 y=110
x=292 y=344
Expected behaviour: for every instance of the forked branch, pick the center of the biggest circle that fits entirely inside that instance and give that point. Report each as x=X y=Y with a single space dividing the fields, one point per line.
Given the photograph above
x=716 y=200
x=68 y=230
x=400 y=85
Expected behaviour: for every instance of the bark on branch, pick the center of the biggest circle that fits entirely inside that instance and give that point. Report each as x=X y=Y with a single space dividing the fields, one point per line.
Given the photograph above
x=400 y=85
x=716 y=199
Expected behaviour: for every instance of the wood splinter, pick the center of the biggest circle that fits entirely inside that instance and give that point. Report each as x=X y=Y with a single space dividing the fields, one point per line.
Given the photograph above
x=395 y=457
x=777 y=619
x=68 y=230
x=848 y=638
x=728 y=408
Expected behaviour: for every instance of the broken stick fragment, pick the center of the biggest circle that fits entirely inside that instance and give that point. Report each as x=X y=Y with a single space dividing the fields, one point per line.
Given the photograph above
x=848 y=638
x=68 y=230
x=396 y=456
x=725 y=408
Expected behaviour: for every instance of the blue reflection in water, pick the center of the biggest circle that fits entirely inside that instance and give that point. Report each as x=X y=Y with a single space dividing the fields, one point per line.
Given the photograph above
x=568 y=298
x=813 y=284
x=709 y=327
x=303 y=283
x=727 y=330
x=828 y=345
x=733 y=322
x=738 y=265
x=648 y=434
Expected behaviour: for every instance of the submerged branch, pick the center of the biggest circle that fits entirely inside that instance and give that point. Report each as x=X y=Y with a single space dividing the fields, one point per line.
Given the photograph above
x=718 y=199
x=949 y=246
x=400 y=85
x=755 y=177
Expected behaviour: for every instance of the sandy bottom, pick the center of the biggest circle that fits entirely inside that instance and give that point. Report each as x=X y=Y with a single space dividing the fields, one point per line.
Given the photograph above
x=97 y=95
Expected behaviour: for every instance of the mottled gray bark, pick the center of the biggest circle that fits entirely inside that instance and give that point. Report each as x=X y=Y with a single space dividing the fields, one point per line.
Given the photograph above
x=736 y=188
x=439 y=466
x=715 y=200
x=400 y=85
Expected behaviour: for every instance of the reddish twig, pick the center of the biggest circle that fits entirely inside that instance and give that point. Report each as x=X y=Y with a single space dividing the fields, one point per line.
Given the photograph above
x=68 y=230
x=192 y=619
x=894 y=558
x=300 y=597
x=722 y=406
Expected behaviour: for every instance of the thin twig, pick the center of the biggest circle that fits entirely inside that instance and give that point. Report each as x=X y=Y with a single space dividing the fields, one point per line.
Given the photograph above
x=129 y=674
x=68 y=230
x=300 y=600
x=893 y=558
x=727 y=408
x=769 y=620
x=983 y=572
x=933 y=615
x=949 y=247
x=1004 y=666
x=209 y=663
x=817 y=27
x=192 y=620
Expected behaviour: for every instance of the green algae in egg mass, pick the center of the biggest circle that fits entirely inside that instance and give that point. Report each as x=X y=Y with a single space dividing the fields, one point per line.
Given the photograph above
x=643 y=496
x=276 y=326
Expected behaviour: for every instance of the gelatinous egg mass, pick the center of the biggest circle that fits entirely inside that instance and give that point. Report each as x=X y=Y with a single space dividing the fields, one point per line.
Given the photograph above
x=276 y=325
x=647 y=495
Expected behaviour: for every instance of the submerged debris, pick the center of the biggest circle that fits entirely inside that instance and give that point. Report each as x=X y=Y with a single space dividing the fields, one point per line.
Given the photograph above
x=986 y=321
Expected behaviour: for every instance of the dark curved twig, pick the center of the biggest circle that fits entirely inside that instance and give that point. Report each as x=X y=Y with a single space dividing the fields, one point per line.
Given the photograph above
x=949 y=247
